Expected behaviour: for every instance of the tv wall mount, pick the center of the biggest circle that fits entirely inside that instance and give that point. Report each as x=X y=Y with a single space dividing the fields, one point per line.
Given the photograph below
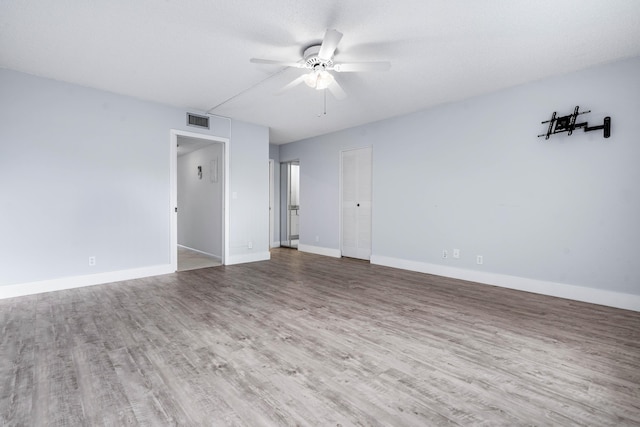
x=568 y=124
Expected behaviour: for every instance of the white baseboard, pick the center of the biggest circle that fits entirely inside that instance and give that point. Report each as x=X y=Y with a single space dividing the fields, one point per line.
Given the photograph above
x=275 y=244
x=335 y=253
x=218 y=257
x=30 y=288
x=244 y=258
x=562 y=290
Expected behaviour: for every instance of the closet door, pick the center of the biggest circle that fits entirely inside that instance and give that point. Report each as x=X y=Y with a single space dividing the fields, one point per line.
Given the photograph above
x=356 y=203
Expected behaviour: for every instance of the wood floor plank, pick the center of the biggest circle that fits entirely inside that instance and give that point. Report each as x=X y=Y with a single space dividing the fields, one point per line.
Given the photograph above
x=312 y=341
x=104 y=402
x=17 y=352
x=152 y=401
x=56 y=399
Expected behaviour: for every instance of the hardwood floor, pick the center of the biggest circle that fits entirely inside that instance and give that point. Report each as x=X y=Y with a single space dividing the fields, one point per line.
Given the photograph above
x=310 y=340
x=189 y=259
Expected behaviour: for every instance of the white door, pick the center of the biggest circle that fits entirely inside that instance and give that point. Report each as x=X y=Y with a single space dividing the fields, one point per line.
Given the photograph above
x=356 y=203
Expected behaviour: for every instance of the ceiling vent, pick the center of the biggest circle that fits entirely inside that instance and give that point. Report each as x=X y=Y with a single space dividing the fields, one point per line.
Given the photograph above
x=197 y=120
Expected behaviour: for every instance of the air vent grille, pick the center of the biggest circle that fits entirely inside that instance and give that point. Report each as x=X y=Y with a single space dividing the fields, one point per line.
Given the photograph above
x=197 y=120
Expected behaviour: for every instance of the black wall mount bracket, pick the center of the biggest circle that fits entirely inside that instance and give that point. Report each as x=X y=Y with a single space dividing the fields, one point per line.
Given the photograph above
x=568 y=124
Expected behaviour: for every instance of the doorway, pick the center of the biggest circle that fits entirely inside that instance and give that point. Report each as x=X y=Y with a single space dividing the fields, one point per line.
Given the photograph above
x=199 y=200
x=272 y=211
x=290 y=204
x=356 y=180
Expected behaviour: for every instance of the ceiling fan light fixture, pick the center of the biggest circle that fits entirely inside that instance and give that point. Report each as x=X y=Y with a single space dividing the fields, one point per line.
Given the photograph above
x=324 y=80
x=311 y=79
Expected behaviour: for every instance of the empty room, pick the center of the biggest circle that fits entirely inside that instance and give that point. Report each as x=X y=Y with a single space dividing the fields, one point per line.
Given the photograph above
x=335 y=213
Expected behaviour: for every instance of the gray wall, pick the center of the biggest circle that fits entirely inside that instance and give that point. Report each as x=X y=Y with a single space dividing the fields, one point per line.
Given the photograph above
x=86 y=173
x=473 y=175
x=200 y=200
x=249 y=187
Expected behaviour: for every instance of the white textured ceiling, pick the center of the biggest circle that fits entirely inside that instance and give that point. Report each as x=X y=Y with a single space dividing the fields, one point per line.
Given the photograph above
x=195 y=53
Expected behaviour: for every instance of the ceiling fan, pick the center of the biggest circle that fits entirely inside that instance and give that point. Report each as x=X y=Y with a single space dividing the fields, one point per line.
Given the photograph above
x=318 y=59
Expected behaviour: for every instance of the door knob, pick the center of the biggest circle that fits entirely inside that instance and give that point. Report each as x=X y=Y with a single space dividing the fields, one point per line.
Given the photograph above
x=358 y=204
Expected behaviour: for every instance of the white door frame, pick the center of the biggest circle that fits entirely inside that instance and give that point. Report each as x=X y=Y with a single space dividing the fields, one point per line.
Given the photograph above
x=173 y=198
x=272 y=199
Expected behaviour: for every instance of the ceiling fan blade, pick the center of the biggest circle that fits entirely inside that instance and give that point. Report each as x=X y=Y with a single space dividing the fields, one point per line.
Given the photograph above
x=273 y=62
x=293 y=83
x=337 y=91
x=362 y=66
x=329 y=44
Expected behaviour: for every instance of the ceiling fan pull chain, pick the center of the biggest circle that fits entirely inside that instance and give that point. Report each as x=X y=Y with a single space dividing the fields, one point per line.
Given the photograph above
x=325 y=102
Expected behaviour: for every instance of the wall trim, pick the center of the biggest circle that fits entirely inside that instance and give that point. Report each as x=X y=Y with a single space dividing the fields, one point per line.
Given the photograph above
x=31 y=288
x=318 y=250
x=244 y=258
x=275 y=244
x=554 y=289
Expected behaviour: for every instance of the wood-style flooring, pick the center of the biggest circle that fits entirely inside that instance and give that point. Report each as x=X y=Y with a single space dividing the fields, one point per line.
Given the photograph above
x=189 y=259
x=311 y=340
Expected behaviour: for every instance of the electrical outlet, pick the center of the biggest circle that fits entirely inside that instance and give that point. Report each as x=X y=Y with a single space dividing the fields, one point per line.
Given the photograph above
x=92 y=261
x=479 y=260
x=456 y=253
x=250 y=245
x=445 y=254
x=317 y=238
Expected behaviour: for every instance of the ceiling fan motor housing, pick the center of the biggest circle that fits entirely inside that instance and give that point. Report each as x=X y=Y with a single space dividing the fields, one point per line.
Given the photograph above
x=313 y=62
